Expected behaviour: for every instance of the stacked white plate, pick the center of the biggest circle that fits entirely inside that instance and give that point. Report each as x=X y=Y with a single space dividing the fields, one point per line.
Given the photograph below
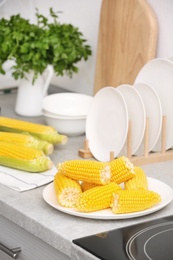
x=158 y=73
x=108 y=119
x=150 y=97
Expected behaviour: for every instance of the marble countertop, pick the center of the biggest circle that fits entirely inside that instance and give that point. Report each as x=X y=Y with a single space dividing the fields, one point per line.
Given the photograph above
x=58 y=229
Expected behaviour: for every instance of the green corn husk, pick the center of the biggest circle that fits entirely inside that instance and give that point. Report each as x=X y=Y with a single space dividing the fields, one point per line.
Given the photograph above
x=38 y=165
x=43 y=132
x=27 y=140
x=37 y=143
x=53 y=137
x=23 y=158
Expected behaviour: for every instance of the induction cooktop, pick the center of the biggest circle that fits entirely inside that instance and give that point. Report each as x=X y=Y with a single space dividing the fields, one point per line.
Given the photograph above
x=149 y=240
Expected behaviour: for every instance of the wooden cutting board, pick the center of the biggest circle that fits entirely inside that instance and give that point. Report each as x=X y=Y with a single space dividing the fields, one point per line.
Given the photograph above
x=127 y=40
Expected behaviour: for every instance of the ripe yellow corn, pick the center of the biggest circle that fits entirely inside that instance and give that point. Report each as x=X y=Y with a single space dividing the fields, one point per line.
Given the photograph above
x=86 y=170
x=88 y=185
x=67 y=190
x=23 y=158
x=128 y=201
x=121 y=169
x=28 y=140
x=43 y=132
x=139 y=181
x=97 y=198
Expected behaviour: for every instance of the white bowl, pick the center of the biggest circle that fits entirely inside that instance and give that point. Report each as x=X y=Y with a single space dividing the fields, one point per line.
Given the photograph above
x=67 y=104
x=45 y=112
x=66 y=125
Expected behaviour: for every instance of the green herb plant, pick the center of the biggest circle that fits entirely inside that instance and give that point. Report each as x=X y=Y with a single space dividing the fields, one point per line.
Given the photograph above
x=35 y=46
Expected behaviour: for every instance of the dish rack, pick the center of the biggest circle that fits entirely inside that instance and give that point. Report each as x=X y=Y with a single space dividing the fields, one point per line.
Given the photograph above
x=147 y=157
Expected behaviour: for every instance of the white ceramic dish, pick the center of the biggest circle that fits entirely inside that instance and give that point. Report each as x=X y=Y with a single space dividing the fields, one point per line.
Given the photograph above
x=67 y=104
x=153 y=111
x=66 y=125
x=163 y=189
x=45 y=113
x=107 y=123
x=137 y=115
x=159 y=74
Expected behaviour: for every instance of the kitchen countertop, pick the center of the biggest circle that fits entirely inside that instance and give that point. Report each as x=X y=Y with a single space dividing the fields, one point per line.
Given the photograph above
x=31 y=212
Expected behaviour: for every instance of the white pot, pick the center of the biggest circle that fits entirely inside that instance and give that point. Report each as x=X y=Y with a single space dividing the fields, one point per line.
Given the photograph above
x=30 y=96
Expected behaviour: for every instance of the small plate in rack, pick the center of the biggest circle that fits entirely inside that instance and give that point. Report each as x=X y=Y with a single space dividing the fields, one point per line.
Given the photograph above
x=137 y=115
x=153 y=111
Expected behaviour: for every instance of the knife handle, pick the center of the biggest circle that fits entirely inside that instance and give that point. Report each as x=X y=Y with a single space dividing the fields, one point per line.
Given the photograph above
x=14 y=252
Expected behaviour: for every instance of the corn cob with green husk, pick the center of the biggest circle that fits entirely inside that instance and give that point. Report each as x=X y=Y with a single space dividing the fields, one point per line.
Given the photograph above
x=121 y=169
x=23 y=158
x=86 y=170
x=67 y=190
x=97 y=198
x=42 y=132
x=27 y=140
x=128 y=201
x=139 y=181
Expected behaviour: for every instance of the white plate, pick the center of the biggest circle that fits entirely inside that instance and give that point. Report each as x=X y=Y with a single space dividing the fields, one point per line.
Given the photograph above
x=153 y=111
x=163 y=189
x=137 y=115
x=107 y=123
x=159 y=74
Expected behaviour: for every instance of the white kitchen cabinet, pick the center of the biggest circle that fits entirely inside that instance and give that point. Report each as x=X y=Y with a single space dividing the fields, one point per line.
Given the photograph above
x=12 y=236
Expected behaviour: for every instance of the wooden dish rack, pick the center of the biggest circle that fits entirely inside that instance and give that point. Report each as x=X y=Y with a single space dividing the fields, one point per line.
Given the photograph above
x=147 y=157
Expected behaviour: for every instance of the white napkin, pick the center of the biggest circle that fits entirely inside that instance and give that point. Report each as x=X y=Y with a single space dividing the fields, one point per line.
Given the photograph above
x=22 y=181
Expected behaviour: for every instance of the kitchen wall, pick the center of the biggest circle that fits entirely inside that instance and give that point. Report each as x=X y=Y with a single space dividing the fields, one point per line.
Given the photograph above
x=85 y=15
x=164 y=12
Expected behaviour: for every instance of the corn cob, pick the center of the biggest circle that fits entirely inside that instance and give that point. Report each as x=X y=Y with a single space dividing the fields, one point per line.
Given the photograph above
x=23 y=158
x=121 y=170
x=43 y=132
x=97 y=198
x=67 y=190
x=27 y=140
x=88 y=185
x=139 y=181
x=128 y=201
x=86 y=170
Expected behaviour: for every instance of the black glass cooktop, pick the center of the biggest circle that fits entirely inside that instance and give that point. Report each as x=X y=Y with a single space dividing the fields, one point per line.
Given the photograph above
x=149 y=240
